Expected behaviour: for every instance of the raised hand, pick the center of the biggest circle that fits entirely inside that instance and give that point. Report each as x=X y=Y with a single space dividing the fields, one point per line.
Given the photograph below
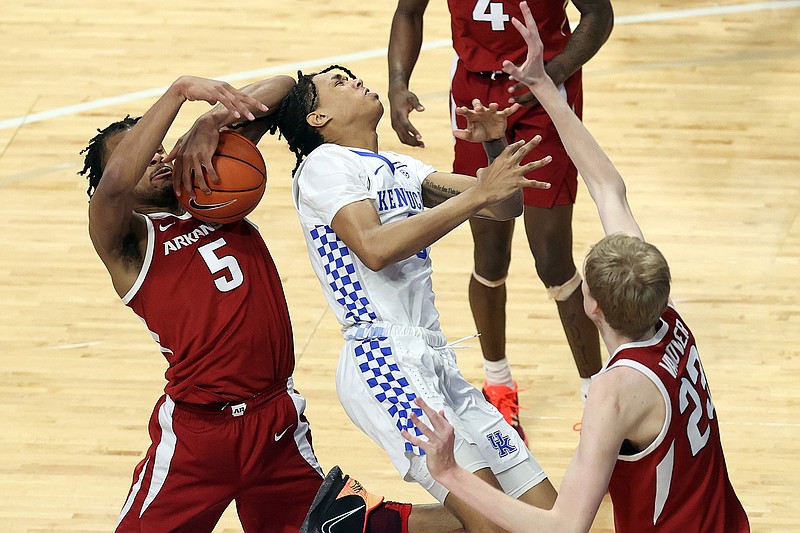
x=192 y=153
x=532 y=70
x=192 y=156
x=505 y=176
x=215 y=91
x=484 y=123
x=522 y=96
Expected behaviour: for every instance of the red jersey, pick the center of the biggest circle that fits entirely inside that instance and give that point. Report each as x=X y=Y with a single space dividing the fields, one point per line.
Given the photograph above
x=680 y=482
x=483 y=35
x=212 y=299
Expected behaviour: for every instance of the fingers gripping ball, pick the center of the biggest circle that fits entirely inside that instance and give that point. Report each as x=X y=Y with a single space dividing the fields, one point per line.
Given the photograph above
x=242 y=177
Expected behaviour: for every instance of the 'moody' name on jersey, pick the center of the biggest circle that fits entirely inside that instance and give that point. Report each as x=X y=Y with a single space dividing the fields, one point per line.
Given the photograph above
x=675 y=349
x=187 y=239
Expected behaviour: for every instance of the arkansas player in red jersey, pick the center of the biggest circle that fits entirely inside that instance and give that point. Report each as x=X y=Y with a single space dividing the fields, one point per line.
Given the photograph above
x=650 y=434
x=482 y=37
x=230 y=425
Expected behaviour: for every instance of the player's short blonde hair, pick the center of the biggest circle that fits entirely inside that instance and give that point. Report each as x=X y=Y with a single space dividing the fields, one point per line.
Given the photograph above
x=630 y=281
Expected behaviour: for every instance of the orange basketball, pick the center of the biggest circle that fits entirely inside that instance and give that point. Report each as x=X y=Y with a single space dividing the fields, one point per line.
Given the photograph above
x=242 y=180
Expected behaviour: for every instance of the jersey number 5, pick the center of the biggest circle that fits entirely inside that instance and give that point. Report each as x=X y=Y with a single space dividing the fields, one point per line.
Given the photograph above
x=488 y=11
x=233 y=278
x=689 y=391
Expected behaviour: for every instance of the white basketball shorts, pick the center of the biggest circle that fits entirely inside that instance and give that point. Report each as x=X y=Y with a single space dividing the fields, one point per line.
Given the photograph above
x=383 y=367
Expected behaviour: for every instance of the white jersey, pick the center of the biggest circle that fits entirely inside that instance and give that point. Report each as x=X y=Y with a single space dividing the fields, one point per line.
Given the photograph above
x=394 y=350
x=332 y=177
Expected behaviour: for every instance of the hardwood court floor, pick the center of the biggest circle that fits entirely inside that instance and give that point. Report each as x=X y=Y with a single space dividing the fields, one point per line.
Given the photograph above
x=696 y=102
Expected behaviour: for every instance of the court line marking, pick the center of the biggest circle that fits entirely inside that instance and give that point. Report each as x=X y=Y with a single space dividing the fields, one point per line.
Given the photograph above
x=73 y=346
x=375 y=53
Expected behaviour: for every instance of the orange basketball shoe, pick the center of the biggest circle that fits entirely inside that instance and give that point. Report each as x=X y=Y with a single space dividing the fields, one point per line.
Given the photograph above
x=507 y=402
x=341 y=505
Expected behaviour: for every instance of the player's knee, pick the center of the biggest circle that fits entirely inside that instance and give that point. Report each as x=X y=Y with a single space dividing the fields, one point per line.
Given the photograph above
x=486 y=282
x=492 y=263
x=554 y=269
x=562 y=292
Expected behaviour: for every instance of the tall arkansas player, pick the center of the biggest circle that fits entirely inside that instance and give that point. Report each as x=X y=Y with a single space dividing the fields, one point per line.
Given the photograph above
x=650 y=432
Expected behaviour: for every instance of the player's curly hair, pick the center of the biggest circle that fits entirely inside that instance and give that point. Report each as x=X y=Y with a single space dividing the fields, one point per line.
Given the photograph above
x=290 y=117
x=96 y=151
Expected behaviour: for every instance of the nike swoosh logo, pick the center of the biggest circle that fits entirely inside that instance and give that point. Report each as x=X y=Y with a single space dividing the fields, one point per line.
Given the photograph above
x=204 y=207
x=328 y=525
x=163 y=227
x=279 y=436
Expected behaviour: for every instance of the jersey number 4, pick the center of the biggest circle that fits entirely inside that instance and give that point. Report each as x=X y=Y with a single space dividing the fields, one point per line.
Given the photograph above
x=232 y=275
x=488 y=11
x=703 y=411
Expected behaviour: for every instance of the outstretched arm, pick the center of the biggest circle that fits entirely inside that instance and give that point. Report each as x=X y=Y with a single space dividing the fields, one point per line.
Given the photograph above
x=603 y=181
x=379 y=245
x=607 y=420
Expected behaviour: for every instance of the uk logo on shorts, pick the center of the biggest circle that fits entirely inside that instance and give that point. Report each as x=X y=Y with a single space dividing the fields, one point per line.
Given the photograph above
x=501 y=443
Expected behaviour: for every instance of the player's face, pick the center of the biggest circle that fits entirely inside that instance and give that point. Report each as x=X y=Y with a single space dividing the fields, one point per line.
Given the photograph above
x=344 y=98
x=155 y=185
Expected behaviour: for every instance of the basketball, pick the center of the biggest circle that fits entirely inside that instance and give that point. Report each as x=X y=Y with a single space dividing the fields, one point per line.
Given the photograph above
x=242 y=177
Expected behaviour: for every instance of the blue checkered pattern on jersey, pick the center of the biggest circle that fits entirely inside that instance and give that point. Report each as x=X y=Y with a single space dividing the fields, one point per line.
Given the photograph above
x=340 y=275
x=388 y=384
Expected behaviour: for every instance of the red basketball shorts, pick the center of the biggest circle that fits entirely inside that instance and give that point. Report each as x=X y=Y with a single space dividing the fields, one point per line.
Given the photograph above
x=201 y=458
x=524 y=124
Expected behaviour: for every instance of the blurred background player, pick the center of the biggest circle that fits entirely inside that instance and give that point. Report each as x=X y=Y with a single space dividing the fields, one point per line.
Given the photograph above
x=482 y=37
x=650 y=434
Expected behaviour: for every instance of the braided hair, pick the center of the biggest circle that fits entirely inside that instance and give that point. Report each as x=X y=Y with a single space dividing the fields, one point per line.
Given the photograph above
x=290 y=117
x=95 y=151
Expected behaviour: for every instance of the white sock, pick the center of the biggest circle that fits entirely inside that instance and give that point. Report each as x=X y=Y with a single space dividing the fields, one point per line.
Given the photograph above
x=585 y=382
x=498 y=372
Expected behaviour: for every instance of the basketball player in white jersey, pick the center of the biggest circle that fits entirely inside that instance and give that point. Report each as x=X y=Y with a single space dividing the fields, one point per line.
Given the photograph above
x=364 y=217
x=650 y=434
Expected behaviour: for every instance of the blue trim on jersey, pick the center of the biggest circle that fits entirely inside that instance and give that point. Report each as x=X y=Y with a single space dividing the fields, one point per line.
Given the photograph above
x=389 y=386
x=379 y=156
x=340 y=275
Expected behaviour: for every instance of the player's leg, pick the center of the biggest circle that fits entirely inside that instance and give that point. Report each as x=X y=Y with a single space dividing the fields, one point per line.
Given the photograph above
x=432 y=517
x=492 y=252
x=206 y=521
x=549 y=234
x=528 y=483
x=548 y=226
x=487 y=286
x=279 y=471
x=487 y=299
x=366 y=365
x=182 y=484
x=377 y=380
x=487 y=445
x=343 y=505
